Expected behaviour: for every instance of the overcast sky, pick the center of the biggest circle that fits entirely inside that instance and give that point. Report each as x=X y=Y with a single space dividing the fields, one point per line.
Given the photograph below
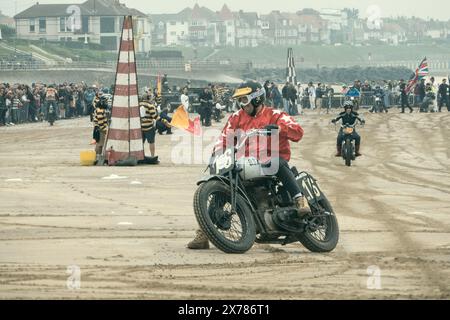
x=438 y=9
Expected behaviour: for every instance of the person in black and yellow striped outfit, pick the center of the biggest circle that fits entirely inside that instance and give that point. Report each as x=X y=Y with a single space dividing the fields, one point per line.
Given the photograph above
x=100 y=124
x=95 y=103
x=149 y=116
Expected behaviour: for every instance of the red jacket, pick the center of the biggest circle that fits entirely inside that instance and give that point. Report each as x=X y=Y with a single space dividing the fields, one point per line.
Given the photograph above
x=240 y=120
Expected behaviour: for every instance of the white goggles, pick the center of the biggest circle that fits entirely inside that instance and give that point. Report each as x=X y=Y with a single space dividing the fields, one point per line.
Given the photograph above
x=245 y=100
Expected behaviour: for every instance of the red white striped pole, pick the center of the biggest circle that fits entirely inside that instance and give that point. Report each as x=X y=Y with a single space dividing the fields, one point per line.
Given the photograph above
x=125 y=134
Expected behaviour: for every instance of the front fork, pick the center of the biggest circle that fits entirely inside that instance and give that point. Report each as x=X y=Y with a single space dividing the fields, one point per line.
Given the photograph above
x=233 y=187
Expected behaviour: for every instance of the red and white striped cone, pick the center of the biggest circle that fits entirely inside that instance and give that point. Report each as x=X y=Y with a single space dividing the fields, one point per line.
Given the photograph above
x=124 y=134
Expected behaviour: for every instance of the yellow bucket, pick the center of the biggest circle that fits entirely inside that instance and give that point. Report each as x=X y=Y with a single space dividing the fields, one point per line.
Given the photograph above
x=87 y=157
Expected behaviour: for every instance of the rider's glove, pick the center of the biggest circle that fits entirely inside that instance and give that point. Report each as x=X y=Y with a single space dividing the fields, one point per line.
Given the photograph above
x=271 y=127
x=333 y=121
x=363 y=122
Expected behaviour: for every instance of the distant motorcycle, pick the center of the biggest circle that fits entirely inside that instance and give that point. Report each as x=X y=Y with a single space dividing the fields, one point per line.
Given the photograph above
x=355 y=103
x=348 y=144
x=378 y=106
x=427 y=101
x=51 y=114
x=354 y=100
x=238 y=205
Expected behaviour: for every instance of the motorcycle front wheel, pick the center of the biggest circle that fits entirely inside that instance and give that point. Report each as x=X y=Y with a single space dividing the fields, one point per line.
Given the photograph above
x=348 y=153
x=230 y=232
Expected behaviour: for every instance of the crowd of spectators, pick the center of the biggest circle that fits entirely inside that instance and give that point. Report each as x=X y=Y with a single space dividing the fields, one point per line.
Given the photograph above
x=20 y=103
x=294 y=98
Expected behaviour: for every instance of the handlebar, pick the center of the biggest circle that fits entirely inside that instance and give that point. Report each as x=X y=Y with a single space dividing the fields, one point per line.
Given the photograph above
x=247 y=135
x=346 y=125
x=252 y=133
x=349 y=125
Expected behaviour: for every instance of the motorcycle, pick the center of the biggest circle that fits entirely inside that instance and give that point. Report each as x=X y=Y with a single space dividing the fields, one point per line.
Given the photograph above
x=348 y=145
x=354 y=100
x=51 y=114
x=378 y=106
x=427 y=102
x=238 y=205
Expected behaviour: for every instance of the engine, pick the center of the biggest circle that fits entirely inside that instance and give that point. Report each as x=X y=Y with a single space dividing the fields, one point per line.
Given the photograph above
x=286 y=219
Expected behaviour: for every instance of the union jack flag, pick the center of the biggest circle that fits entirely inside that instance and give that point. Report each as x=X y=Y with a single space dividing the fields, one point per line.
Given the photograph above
x=421 y=72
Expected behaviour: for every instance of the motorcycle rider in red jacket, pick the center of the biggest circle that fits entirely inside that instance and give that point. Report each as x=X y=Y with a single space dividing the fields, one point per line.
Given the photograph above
x=254 y=114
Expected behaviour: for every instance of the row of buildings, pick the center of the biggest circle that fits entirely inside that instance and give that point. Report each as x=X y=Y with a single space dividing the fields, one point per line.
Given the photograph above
x=200 y=26
x=99 y=21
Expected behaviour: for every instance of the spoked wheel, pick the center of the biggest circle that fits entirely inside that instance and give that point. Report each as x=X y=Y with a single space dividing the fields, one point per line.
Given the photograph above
x=322 y=231
x=348 y=153
x=231 y=232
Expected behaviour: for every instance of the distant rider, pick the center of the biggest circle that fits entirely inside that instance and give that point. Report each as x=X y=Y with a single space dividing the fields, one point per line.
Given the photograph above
x=348 y=117
x=379 y=93
x=354 y=94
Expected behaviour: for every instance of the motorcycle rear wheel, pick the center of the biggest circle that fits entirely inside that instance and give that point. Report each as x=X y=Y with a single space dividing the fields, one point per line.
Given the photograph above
x=325 y=236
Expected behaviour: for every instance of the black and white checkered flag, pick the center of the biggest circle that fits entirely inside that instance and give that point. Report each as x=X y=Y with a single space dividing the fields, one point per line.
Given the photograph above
x=291 y=76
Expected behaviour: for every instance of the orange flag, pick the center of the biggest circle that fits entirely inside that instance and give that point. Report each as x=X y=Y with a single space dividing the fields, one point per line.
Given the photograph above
x=195 y=127
x=180 y=119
